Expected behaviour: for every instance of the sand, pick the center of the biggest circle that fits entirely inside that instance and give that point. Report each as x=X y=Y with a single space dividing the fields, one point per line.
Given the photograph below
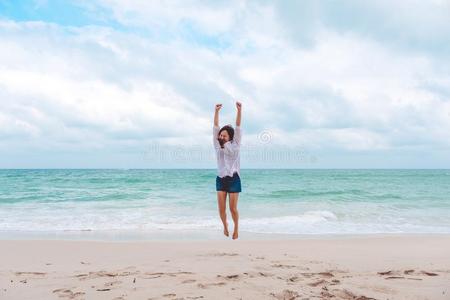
x=361 y=267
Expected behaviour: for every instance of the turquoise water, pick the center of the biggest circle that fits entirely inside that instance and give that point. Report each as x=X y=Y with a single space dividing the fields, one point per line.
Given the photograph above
x=179 y=201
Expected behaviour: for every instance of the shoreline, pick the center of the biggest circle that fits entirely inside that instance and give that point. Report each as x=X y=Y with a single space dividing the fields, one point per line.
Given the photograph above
x=379 y=267
x=188 y=235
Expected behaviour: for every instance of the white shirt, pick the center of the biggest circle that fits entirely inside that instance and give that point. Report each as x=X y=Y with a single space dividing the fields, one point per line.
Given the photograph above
x=228 y=158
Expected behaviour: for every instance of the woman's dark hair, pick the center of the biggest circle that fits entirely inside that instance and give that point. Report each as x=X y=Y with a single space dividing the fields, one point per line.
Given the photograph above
x=229 y=129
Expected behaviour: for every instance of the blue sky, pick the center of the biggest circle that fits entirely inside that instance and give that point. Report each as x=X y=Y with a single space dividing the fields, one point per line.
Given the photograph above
x=132 y=84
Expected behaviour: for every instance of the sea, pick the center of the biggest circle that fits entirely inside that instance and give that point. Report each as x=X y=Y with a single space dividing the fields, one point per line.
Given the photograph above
x=160 y=204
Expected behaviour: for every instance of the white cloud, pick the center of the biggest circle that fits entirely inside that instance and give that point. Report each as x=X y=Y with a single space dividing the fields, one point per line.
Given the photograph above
x=103 y=88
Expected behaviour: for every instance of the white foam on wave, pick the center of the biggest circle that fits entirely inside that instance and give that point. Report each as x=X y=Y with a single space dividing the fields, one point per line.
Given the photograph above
x=100 y=217
x=132 y=219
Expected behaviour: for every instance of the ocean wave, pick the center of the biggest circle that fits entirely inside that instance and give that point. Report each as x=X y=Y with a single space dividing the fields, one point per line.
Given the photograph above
x=141 y=220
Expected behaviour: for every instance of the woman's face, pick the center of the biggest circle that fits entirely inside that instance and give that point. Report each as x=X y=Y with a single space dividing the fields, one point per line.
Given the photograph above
x=224 y=137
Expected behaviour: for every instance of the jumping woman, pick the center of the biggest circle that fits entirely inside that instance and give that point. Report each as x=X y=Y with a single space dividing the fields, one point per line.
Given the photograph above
x=227 y=143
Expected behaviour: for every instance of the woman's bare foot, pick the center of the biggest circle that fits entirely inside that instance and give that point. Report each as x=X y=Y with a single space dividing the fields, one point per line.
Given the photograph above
x=235 y=235
x=225 y=230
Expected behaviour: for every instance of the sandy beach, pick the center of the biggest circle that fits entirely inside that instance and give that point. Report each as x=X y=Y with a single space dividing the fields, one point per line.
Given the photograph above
x=358 y=267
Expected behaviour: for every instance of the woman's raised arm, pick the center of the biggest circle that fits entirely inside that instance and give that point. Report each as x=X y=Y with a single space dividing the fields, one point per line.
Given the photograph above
x=238 y=115
x=216 y=114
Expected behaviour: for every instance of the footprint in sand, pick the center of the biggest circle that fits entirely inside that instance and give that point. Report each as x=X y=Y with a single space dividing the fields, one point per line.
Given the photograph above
x=428 y=273
x=322 y=282
x=102 y=273
x=169 y=295
x=392 y=275
x=386 y=273
x=317 y=283
x=285 y=295
x=152 y=275
x=257 y=274
x=326 y=274
x=398 y=274
x=283 y=266
x=229 y=277
x=206 y=285
x=30 y=273
x=265 y=274
x=294 y=279
x=68 y=293
x=189 y=281
x=325 y=294
x=321 y=274
x=335 y=281
x=395 y=277
x=348 y=295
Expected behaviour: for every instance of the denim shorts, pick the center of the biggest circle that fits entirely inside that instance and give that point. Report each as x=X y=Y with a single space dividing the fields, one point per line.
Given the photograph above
x=229 y=184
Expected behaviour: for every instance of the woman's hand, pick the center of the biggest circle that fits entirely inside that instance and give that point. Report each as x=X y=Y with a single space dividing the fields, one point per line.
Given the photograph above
x=218 y=107
x=238 y=115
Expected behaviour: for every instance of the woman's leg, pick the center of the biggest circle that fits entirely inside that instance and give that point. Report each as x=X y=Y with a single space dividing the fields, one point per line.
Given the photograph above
x=234 y=213
x=222 y=201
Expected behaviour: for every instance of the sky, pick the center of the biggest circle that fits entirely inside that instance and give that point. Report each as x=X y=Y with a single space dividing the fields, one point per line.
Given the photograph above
x=133 y=84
